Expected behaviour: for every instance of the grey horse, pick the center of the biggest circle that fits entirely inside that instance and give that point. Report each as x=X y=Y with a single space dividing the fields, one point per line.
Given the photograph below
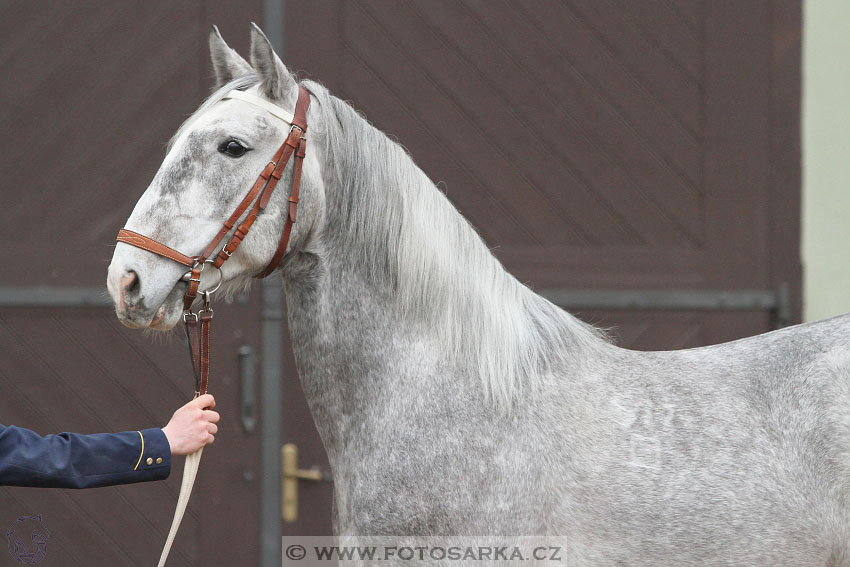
x=452 y=400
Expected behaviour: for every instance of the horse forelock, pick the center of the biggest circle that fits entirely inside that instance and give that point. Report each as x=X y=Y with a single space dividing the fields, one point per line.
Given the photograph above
x=387 y=218
x=239 y=83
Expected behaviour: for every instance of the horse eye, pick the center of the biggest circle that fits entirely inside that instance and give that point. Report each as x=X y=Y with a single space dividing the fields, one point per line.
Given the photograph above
x=233 y=148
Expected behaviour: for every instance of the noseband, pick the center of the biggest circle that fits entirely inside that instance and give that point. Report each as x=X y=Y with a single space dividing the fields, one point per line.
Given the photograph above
x=257 y=199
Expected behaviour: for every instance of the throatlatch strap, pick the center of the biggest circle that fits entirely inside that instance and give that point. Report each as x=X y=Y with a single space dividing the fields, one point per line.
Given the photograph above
x=291 y=213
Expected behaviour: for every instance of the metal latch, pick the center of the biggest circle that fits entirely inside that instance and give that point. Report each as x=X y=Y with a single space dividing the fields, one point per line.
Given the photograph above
x=291 y=475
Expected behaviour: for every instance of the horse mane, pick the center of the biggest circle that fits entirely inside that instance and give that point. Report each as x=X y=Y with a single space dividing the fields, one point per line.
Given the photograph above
x=391 y=220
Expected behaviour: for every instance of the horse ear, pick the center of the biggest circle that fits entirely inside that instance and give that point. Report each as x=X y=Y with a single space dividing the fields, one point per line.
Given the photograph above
x=226 y=62
x=277 y=81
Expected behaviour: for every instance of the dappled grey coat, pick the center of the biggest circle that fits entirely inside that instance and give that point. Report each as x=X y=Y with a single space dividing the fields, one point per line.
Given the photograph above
x=452 y=400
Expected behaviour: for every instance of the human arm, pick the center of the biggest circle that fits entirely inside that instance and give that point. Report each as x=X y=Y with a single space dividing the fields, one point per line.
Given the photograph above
x=70 y=460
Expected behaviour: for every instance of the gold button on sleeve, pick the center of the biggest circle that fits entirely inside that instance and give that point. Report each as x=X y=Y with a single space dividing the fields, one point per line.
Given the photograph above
x=158 y=460
x=149 y=461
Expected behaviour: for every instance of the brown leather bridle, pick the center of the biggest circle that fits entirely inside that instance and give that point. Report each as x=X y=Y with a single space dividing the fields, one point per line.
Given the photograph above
x=198 y=325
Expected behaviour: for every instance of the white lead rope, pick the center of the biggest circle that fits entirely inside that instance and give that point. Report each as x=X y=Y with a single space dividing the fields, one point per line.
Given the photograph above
x=190 y=471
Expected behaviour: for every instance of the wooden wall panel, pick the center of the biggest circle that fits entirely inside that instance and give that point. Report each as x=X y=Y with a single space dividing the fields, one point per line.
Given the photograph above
x=91 y=92
x=607 y=144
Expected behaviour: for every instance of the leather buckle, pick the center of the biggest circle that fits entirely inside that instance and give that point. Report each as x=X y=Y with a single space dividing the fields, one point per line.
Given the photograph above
x=294 y=138
x=268 y=170
x=206 y=313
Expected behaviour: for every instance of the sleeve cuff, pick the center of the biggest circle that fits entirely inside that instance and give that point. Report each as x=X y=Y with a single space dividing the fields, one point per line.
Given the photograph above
x=154 y=453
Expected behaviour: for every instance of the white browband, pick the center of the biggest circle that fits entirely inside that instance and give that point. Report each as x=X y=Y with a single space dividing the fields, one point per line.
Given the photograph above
x=262 y=103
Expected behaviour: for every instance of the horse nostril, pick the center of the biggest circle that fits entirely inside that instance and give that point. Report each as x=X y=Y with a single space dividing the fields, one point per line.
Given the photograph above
x=130 y=282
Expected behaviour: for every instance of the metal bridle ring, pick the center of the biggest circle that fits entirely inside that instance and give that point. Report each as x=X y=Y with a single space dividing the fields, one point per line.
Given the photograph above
x=220 y=277
x=187 y=277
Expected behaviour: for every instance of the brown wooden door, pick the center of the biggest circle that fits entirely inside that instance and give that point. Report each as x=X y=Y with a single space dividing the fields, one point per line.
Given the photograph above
x=90 y=94
x=79 y=370
x=608 y=144
x=595 y=145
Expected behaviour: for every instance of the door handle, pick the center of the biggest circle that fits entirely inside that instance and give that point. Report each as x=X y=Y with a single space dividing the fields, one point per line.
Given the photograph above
x=290 y=477
x=247 y=388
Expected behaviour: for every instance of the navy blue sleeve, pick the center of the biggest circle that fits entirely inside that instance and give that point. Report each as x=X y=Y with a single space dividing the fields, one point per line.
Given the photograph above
x=69 y=460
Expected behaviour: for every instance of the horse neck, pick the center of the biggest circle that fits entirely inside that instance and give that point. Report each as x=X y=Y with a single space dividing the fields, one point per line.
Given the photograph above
x=401 y=284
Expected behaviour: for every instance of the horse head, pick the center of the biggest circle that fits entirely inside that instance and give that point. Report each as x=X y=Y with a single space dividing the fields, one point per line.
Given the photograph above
x=212 y=162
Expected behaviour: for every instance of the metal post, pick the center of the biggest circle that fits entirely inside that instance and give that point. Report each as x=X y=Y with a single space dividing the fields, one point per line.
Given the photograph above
x=270 y=436
x=273 y=18
x=272 y=368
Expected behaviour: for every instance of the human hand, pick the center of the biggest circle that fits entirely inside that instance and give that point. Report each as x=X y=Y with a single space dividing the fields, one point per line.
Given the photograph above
x=192 y=426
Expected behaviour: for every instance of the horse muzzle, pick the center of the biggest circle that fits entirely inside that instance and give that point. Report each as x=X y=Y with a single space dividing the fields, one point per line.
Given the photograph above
x=137 y=302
